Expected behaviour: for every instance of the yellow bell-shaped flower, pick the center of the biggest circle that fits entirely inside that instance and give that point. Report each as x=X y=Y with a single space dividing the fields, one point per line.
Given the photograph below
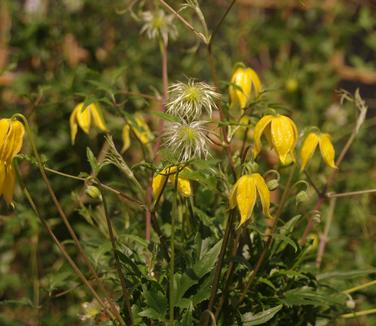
x=168 y=175
x=11 y=139
x=126 y=138
x=85 y=117
x=281 y=133
x=246 y=84
x=244 y=194
x=309 y=146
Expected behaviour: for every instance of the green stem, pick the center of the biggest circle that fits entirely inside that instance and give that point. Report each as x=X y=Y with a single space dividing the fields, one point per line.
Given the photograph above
x=351 y=193
x=172 y=247
x=359 y=287
x=356 y=314
x=61 y=212
x=126 y=295
x=62 y=248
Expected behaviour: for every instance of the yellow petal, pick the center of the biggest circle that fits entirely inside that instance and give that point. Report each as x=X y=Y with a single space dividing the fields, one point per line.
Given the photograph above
x=308 y=148
x=246 y=197
x=141 y=129
x=236 y=94
x=9 y=184
x=83 y=117
x=255 y=81
x=73 y=125
x=283 y=137
x=126 y=138
x=184 y=187
x=263 y=192
x=18 y=130
x=4 y=129
x=2 y=177
x=13 y=141
x=259 y=129
x=327 y=150
x=158 y=184
x=97 y=116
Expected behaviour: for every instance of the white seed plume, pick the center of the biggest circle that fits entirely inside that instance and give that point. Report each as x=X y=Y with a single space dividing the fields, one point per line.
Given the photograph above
x=187 y=140
x=158 y=23
x=189 y=101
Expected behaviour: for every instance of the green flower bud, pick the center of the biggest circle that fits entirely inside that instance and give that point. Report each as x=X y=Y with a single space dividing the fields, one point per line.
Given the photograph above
x=301 y=197
x=272 y=184
x=93 y=192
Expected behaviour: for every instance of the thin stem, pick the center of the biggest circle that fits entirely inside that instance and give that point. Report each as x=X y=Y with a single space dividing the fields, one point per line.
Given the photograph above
x=126 y=295
x=324 y=237
x=172 y=248
x=269 y=241
x=61 y=212
x=359 y=287
x=218 y=267
x=356 y=314
x=185 y=22
x=106 y=187
x=63 y=250
x=216 y=28
x=35 y=270
x=312 y=183
x=351 y=193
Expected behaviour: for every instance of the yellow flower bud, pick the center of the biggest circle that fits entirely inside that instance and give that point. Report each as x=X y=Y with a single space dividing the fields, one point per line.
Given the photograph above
x=84 y=117
x=246 y=83
x=309 y=146
x=11 y=139
x=244 y=195
x=168 y=175
x=126 y=138
x=281 y=133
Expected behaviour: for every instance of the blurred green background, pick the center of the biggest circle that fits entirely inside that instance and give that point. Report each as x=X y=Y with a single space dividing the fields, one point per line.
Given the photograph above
x=54 y=54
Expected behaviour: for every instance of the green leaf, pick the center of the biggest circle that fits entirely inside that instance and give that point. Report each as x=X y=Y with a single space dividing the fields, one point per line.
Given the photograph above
x=182 y=283
x=309 y=296
x=92 y=160
x=156 y=302
x=206 y=264
x=249 y=319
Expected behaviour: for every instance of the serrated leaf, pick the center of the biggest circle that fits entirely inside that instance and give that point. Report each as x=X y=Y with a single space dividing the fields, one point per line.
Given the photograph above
x=250 y=319
x=206 y=264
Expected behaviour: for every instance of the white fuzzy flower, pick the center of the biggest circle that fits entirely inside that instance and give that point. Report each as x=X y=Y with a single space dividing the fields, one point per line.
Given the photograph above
x=187 y=140
x=157 y=23
x=188 y=101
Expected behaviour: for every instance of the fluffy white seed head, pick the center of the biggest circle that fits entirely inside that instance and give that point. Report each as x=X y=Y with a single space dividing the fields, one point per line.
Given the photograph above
x=190 y=100
x=187 y=140
x=157 y=23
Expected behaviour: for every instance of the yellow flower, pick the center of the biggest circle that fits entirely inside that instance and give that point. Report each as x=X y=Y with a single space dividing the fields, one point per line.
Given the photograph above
x=247 y=84
x=126 y=138
x=281 y=133
x=244 y=194
x=168 y=175
x=309 y=146
x=141 y=129
x=84 y=117
x=11 y=139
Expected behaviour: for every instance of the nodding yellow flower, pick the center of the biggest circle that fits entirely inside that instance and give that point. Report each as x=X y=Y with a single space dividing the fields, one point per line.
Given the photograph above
x=141 y=129
x=168 y=175
x=309 y=146
x=84 y=117
x=244 y=195
x=281 y=133
x=247 y=83
x=11 y=139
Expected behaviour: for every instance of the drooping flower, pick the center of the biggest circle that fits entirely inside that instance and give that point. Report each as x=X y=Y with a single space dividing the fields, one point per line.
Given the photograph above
x=169 y=175
x=189 y=101
x=281 y=133
x=244 y=194
x=187 y=140
x=309 y=146
x=126 y=138
x=85 y=117
x=11 y=139
x=245 y=85
x=141 y=129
